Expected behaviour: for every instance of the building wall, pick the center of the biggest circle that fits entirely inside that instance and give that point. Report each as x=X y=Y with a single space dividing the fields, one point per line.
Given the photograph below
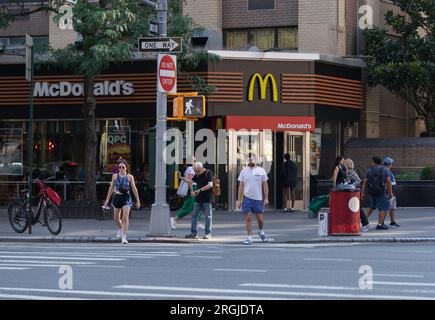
x=318 y=26
x=351 y=27
x=207 y=13
x=36 y=26
x=60 y=38
x=235 y=14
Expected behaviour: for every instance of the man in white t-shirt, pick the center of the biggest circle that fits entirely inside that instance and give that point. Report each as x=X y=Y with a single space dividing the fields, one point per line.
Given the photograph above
x=253 y=181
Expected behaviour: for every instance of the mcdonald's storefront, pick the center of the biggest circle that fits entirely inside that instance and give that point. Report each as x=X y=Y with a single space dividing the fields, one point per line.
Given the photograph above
x=270 y=103
x=277 y=103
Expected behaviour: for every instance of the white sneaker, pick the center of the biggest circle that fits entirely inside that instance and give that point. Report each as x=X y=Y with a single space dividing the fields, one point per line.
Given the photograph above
x=119 y=234
x=173 y=224
x=124 y=239
x=201 y=226
x=365 y=228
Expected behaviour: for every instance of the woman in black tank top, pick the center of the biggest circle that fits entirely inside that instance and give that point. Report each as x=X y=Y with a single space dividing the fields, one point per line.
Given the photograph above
x=339 y=171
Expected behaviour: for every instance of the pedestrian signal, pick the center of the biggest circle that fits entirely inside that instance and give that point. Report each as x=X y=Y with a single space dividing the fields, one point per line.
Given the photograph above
x=194 y=107
x=188 y=107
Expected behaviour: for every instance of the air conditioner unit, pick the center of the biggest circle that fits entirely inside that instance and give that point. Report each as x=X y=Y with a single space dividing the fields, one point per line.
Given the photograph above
x=15 y=50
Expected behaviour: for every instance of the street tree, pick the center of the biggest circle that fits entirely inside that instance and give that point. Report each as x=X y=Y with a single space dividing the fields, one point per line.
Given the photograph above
x=109 y=30
x=403 y=58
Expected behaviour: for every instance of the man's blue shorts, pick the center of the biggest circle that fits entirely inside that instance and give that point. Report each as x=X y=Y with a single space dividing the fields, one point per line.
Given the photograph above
x=253 y=206
x=379 y=202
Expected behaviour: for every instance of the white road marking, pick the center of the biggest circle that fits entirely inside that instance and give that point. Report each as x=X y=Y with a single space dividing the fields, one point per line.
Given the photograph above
x=134 y=294
x=45 y=262
x=62 y=258
x=204 y=257
x=240 y=270
x=297 y=286
x=275 y=293
x=57 y=265
x=327 y=259
x=13 y=268
x=412 y=284
x=30 y=297
x=398 y=275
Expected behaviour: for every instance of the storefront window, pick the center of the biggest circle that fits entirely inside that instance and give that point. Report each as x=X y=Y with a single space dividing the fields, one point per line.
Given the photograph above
x=329 y=144
x=58 y=154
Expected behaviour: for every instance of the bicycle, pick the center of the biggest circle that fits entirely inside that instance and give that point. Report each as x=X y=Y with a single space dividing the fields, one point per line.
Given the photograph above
x=21 y=215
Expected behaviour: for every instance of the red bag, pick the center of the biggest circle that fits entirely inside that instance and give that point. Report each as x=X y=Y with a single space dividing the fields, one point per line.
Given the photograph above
x=54 y=197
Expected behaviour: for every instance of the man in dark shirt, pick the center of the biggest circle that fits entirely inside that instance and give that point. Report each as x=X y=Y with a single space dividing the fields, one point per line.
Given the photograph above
x=378 y=198
x=203 y=197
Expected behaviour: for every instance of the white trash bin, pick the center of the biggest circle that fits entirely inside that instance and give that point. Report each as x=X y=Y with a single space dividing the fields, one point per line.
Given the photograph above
x=323 y=224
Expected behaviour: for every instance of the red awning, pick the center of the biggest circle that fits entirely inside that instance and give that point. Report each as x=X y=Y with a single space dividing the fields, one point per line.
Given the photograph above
x=270 y=123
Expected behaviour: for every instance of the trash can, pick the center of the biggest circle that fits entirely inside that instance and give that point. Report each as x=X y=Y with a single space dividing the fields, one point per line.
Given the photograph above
x=344 y=215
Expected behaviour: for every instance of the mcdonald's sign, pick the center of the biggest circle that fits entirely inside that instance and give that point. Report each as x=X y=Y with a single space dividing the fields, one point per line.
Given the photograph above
x=263 y=82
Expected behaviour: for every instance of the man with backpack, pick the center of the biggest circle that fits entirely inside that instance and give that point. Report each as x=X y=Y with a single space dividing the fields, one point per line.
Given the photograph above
x=377 y=183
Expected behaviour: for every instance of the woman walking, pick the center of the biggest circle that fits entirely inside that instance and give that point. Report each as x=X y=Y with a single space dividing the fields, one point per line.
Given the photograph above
x=120 y=187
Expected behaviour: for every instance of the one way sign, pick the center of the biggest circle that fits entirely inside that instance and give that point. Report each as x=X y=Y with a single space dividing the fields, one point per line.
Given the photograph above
x=172 y=44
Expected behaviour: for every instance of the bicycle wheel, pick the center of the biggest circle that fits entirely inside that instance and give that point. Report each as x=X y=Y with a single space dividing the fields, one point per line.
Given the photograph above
x=53 y=219
x=17 y=216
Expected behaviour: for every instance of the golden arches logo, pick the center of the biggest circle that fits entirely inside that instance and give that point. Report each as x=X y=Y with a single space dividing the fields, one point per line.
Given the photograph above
x=263 y=86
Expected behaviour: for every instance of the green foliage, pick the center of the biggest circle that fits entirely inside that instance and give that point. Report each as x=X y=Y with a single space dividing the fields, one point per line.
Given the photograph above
x=408 y=176
x=427 y=173
x=405 y=64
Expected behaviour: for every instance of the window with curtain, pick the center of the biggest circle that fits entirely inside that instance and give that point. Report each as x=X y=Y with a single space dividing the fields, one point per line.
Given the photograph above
x=263 y=38
x=287 y=38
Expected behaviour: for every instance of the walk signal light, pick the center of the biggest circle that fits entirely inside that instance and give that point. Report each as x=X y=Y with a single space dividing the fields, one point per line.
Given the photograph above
x=188 y=107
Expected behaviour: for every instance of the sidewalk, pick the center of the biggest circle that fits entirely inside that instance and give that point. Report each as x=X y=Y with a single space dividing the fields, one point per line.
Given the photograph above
x=417 y=225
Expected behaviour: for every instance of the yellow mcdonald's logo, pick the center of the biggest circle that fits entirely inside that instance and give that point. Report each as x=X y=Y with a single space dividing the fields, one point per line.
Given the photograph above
x=263 y=86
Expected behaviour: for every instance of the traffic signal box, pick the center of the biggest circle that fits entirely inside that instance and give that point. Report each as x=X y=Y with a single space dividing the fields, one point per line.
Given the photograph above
x=188 y=106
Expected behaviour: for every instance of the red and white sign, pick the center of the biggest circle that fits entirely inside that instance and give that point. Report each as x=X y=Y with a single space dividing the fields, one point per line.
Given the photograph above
x=271 y=123
x=167 y=73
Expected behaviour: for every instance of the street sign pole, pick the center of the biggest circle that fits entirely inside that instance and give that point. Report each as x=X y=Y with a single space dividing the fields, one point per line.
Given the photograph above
x=29 y=77
x=160 y=225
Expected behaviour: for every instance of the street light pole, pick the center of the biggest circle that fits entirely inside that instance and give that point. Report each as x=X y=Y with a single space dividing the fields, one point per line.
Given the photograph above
x=160 y=214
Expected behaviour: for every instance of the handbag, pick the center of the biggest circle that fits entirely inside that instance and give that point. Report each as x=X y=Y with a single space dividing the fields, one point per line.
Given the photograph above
x=183 y=188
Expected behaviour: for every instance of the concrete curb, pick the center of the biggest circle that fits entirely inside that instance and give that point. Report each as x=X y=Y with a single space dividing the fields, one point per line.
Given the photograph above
x=200 y=241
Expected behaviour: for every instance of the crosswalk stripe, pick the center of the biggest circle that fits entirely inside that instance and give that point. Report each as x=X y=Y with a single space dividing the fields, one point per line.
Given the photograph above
x=32 y=297
x=135 y=294
x=45 y=262
x=63 y=258
x=278 y=293
x=13 y=268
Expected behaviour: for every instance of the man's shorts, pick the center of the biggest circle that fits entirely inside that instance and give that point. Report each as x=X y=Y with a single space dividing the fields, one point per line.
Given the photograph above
x=380 y=202
x=253 y=206
x=393 y=203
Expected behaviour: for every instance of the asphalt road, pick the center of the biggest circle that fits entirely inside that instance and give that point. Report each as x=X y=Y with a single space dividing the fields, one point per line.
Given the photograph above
x=203 y=271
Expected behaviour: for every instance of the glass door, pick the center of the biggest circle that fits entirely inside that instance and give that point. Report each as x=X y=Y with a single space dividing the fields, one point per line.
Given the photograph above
x=295 y=145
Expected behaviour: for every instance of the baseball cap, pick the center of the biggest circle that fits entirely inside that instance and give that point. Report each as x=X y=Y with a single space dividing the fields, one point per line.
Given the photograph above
x=388 y=161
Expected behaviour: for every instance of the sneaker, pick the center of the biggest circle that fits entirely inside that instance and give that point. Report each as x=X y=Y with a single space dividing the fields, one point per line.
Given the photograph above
x=173 y=224
x=119 y=234
x=263 y=236
x=365 y=228
x=291 y=210
x=124 y=239
x=247 y=242
x=394 y=224
x=201 y=226
x=191 y=236
x=381 y=227
x=207 y=236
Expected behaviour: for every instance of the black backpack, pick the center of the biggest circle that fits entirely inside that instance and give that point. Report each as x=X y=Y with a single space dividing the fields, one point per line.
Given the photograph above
x=376 y=182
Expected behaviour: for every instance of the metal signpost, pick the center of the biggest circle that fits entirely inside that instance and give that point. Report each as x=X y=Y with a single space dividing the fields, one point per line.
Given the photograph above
x=29 y=77
x=160 y=225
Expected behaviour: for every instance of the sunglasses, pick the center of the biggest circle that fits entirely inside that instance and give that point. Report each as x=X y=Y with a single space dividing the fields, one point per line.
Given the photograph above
x=121 y=167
